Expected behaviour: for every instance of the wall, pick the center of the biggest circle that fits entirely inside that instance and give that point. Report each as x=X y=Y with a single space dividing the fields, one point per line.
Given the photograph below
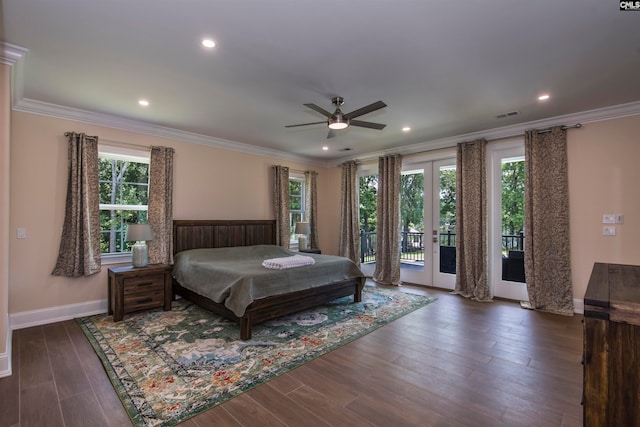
x=604 y=178
x=5 y=333
x=209 y=183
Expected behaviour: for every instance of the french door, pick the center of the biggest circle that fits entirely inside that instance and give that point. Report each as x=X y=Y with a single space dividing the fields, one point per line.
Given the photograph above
x=427 y=224
x=506 y=221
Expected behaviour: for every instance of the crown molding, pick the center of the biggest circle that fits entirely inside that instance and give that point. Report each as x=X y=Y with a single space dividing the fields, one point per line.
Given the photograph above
x=14 y=56
x=84 y=116
x=11 y=53
x=106 y=120
x=590 y=116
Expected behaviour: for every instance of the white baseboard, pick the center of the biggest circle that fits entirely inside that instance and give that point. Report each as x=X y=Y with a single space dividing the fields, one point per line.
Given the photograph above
x=5 y=364
x=27 y=319
x=5 y=358
x=578 y=306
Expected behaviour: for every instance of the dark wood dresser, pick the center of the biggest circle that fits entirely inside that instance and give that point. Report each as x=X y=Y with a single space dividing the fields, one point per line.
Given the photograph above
x=612 y=346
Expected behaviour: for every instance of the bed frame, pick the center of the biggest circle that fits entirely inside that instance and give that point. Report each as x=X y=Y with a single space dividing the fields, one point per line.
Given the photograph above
x=225 y=233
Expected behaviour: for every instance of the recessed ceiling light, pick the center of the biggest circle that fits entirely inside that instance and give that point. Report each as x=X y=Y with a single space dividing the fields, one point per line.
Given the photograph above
x=208 y=43
x=143 y=102
x=544 y=97
x=325 y=147
x=406 y=129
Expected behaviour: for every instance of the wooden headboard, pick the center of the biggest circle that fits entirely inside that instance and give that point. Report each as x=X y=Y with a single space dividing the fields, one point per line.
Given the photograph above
x=194 y=234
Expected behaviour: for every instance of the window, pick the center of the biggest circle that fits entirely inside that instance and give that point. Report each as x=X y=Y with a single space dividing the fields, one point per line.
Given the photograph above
x=124 y=196
x=296 y=204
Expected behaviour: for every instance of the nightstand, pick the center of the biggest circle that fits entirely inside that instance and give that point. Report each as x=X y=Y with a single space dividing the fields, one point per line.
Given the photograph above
x=311 y=251
x=132 y=289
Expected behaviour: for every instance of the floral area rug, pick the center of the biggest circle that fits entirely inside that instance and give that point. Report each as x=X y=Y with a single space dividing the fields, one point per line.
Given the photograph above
x=167 y=366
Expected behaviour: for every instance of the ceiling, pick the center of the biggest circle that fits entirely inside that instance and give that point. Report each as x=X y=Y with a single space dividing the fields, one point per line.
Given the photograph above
x=446 y=69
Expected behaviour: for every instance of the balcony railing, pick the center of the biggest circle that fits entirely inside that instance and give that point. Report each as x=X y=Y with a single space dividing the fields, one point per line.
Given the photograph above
x=412 y=251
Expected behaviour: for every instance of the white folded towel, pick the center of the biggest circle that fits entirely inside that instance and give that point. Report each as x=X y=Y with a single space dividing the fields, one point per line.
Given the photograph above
x=288 y=262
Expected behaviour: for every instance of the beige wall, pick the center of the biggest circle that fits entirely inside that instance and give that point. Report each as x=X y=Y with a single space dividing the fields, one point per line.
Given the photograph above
x=604 y=178
x=209 y=183
x=4 y=204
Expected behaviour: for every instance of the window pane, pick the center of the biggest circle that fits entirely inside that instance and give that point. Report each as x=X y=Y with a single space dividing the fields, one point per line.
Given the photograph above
x=295 y=187
x=295 y=218
x=113 y=228
x=122 y=182
x=296 y=204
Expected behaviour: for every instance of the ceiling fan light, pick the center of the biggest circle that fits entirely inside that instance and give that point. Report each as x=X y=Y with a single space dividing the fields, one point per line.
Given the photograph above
x=338 y=125
x=337 y=122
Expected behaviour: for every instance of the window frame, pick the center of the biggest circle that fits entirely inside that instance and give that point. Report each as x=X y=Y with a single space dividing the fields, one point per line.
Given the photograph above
x=125 y=154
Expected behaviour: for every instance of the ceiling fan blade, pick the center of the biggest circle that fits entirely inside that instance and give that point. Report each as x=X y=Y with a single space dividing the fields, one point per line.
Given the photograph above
x=306 y=124
x=331 y=134
x=318 y=109
x=369 y=125
x=364 y=110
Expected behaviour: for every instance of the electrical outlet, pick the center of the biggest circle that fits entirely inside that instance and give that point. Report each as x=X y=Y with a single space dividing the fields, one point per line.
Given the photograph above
x=608 y=231
x=22 y=233
x=608 y=219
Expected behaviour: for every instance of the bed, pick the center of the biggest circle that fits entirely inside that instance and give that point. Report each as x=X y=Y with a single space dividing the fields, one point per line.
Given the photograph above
x=195 y=237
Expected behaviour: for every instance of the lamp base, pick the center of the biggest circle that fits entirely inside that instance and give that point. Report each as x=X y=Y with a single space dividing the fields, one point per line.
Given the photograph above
x=139 y=254
x=302 y=242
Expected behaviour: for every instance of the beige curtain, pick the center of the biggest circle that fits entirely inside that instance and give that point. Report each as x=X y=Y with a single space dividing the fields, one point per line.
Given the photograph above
x=311 y=206
x=161 y=205
x=79 y=253
x=388 y=230
x=281 y=205
x=349 y=222
x=546 y=252
x=471 y=221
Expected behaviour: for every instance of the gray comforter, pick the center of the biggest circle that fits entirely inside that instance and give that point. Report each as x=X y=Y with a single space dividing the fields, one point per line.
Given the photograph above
x=235 y=276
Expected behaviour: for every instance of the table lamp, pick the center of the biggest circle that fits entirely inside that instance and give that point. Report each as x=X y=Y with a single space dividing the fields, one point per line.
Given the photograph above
x=302 y=230
x=139 y=233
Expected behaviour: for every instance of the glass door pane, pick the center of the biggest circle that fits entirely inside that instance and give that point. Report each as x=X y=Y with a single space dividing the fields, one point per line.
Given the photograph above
x=447 y=218
x=444 y=224
x=512 y=212
x=412 y=219
x=506 y=222
x=368 y=203
x=415 y=215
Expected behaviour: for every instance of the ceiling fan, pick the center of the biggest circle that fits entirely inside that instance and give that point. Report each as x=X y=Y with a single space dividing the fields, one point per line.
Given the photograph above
x=339 y=120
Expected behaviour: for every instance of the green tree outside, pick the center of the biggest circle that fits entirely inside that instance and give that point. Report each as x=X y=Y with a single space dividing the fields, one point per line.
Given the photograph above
x=368 y=193
x=513 y=175
x=447 y=200
x=412 y=202
x=121 y=183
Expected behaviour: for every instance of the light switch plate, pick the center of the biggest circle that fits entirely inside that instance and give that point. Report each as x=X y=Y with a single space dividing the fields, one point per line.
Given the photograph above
x=608 y=219
x=619 y=219
x=608 y=231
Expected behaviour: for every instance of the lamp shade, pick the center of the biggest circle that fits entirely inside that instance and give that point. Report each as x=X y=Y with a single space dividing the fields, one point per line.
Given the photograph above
x=303 y=228
x=139 y=233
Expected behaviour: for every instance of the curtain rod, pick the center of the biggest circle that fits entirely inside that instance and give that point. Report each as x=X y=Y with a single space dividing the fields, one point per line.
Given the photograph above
x=125 y=144
x=120 y=143
x=564 y=127
x=297 y=170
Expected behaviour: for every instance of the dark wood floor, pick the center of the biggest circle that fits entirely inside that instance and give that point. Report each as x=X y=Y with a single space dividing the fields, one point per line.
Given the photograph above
x=452 y=363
